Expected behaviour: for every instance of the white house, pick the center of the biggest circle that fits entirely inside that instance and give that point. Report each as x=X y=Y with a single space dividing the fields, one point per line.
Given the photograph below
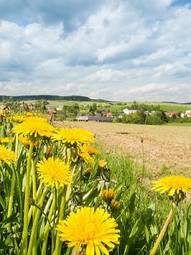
x=188 y=113
x=128 y=112
x=59 y=108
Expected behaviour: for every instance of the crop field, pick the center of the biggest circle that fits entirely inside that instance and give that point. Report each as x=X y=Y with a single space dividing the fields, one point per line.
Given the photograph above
x=160 y=147
x=71 y=188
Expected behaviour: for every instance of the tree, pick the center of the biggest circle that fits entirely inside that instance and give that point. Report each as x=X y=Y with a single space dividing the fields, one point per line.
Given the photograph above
x=93 y=109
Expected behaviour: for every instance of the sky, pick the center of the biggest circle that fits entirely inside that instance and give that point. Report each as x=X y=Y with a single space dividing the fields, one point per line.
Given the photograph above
x=111 y=49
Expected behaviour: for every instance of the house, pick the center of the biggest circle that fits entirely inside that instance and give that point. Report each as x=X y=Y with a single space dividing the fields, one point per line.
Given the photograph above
x=188 y=114
x=59 y=108
x=128 y=112
x=98 y=118
x=172 y=114
x=104 y=113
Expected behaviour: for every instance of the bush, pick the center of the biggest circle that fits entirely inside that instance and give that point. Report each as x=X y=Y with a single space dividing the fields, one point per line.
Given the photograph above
x=135 y=118
x=154 y=119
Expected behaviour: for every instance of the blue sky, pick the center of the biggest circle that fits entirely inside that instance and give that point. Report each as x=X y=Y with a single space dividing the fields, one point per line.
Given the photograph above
x=111 y=49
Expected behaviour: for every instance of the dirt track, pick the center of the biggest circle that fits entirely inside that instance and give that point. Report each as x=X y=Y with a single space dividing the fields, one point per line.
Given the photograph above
x=163 y=145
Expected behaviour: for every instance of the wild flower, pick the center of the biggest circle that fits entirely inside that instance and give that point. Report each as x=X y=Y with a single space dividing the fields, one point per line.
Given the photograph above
x=6 y=156
x=54 y=172
x=6 y=139
x=34 y=127
x=102 y=163
x=74 y=136
x=173 y=186
x=91 y=230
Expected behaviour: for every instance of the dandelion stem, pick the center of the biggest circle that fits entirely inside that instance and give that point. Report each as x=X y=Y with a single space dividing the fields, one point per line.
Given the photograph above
x=2 y=203
x=47 y=228
x=37 y=214
x=162 y=232
x=13 y=182
x=61 y=216
x=24 y=241
x=38 y=195
x=34 y=181
x=10 y=207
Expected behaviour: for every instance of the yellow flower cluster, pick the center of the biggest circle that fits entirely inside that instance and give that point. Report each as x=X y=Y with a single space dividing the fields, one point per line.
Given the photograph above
x=172 y=185
x=90 y=231
x=6 y=155
x=74 y=136
x=54 y=172
x=34 y=127
x=91 y=228
x=6 y=139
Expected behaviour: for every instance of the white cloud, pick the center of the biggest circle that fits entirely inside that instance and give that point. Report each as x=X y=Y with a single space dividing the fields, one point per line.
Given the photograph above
x=123 y=50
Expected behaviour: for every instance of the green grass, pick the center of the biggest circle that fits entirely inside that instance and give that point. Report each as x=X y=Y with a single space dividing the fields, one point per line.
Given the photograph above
x=174 y=107
x=175 y=124
x=144 y=212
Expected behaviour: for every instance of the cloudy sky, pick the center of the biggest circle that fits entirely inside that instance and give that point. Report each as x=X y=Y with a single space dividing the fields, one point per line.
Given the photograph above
x=111 y=49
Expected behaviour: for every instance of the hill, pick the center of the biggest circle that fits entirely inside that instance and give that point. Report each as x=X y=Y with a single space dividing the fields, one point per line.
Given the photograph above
x=48 y=97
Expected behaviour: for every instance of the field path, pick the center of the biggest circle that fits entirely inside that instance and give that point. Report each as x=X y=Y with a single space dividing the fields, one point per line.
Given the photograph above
x=168 y=146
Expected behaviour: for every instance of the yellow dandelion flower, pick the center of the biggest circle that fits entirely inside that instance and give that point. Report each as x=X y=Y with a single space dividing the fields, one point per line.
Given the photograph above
x=54 y=172
x=85 y=155
x=29 y=114
x=90 y=149
x=17 y=118
x=91 y=229
x=102 y=163
x=74 y=135
x=35 y=127
x=6 y=155
x=172 y=185
x=108 y=194
x=6 y=139
x=115 y=204
x=25 y=140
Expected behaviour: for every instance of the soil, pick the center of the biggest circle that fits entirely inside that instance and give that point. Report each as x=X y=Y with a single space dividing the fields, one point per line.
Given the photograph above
x=161 y=148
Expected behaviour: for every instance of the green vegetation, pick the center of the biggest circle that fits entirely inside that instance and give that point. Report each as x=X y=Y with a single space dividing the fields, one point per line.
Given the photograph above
x=144 y=212
x=44 y=97
x=34 y=200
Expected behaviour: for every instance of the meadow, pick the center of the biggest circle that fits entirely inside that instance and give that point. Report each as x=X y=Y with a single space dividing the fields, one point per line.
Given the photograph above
x=63 y=191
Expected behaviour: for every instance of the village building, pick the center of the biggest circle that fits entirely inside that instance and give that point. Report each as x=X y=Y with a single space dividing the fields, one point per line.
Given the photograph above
x=128 y=112
x=59 y=108
x=188 y=113
x=98 y=118
x=172 y=114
